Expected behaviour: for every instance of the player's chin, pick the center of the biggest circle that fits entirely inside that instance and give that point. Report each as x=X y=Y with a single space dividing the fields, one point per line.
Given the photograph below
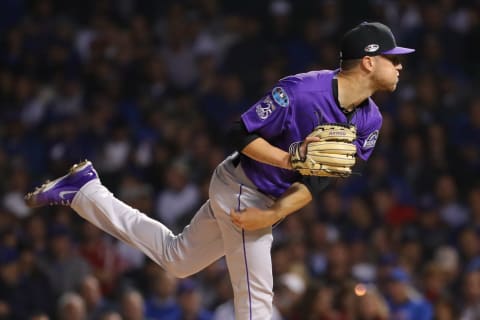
x=388 y=85
x=392 y=87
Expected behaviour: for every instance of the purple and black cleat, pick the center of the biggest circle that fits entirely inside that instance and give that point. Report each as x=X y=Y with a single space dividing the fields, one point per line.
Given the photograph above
x=62 y=190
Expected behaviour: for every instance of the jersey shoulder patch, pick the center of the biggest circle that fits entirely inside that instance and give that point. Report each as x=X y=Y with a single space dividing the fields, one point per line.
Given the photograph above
x=265 y=108
x=280 y=97
x=371 y=140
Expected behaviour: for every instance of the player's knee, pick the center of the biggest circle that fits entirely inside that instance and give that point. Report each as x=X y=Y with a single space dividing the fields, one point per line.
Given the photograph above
x=178 y=271
x=180 y=274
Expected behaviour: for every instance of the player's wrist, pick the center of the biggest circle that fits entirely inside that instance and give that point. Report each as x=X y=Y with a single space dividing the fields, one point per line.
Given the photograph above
x=288 y=162
x=279 y=215
x=275 y=214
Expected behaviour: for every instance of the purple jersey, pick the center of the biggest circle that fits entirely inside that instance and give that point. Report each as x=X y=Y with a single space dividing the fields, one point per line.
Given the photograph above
x=294 y=107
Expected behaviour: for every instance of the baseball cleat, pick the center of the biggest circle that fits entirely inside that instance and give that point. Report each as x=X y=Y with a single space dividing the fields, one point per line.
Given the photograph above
x=61 y=191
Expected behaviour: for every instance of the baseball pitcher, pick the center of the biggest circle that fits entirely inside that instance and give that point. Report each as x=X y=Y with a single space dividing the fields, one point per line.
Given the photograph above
x=307 y=128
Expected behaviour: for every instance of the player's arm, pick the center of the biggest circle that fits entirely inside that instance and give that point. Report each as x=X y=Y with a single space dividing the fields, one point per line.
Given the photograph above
x=262 y=151
x=254 y=146
x=295 y=198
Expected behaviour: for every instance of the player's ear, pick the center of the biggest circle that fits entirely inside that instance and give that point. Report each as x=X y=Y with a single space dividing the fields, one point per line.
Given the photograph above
x=368 y=63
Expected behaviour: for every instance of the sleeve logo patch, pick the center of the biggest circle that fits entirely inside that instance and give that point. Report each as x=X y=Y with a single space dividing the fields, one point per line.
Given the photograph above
x=371 y=140
x=280 y=97
x=265 y=108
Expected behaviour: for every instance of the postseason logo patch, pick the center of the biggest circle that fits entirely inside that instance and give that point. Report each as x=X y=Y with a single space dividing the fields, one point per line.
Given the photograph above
x=371 y=140
x=265 y=108
x=280 y=97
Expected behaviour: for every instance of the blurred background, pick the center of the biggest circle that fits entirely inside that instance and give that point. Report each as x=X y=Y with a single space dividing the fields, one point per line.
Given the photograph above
x=147 y=89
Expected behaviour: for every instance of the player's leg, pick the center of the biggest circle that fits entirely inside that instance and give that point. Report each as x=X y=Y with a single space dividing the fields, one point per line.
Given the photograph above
x=250 y=267
x=184 y=254
x=247 y=253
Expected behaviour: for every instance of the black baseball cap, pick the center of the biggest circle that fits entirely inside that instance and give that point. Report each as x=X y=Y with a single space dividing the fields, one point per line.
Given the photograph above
x=370 y=39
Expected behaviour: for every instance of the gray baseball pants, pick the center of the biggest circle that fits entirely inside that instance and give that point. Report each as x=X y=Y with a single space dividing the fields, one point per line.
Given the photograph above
x=209 y=236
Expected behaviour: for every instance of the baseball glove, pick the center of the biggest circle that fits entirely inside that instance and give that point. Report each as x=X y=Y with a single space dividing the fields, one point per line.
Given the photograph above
x=332 y=156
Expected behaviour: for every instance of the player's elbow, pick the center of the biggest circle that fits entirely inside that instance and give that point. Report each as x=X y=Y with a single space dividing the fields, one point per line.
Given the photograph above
x=239 y=136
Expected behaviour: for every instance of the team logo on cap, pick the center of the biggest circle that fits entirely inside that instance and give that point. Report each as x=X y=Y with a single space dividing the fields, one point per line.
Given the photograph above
x=372 y=48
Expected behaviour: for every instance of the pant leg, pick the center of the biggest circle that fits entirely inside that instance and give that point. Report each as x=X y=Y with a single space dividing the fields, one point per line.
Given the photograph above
x=247 y=252
x=184 y=254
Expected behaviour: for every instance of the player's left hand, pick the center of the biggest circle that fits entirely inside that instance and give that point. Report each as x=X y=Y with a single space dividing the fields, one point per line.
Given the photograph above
x=332 y=154
x=253 y=218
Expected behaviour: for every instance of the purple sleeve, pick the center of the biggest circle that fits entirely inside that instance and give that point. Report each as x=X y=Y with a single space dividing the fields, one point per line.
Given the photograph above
x=269 y=116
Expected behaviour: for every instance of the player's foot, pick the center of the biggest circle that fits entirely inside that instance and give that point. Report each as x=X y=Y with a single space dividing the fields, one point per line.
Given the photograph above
x=61 y=191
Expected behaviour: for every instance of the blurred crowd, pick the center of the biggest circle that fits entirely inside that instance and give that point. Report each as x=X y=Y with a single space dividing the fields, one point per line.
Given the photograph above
x=147 y=89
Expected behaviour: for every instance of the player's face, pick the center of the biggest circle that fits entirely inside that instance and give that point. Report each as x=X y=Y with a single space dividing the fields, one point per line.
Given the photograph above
x=387 y=71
